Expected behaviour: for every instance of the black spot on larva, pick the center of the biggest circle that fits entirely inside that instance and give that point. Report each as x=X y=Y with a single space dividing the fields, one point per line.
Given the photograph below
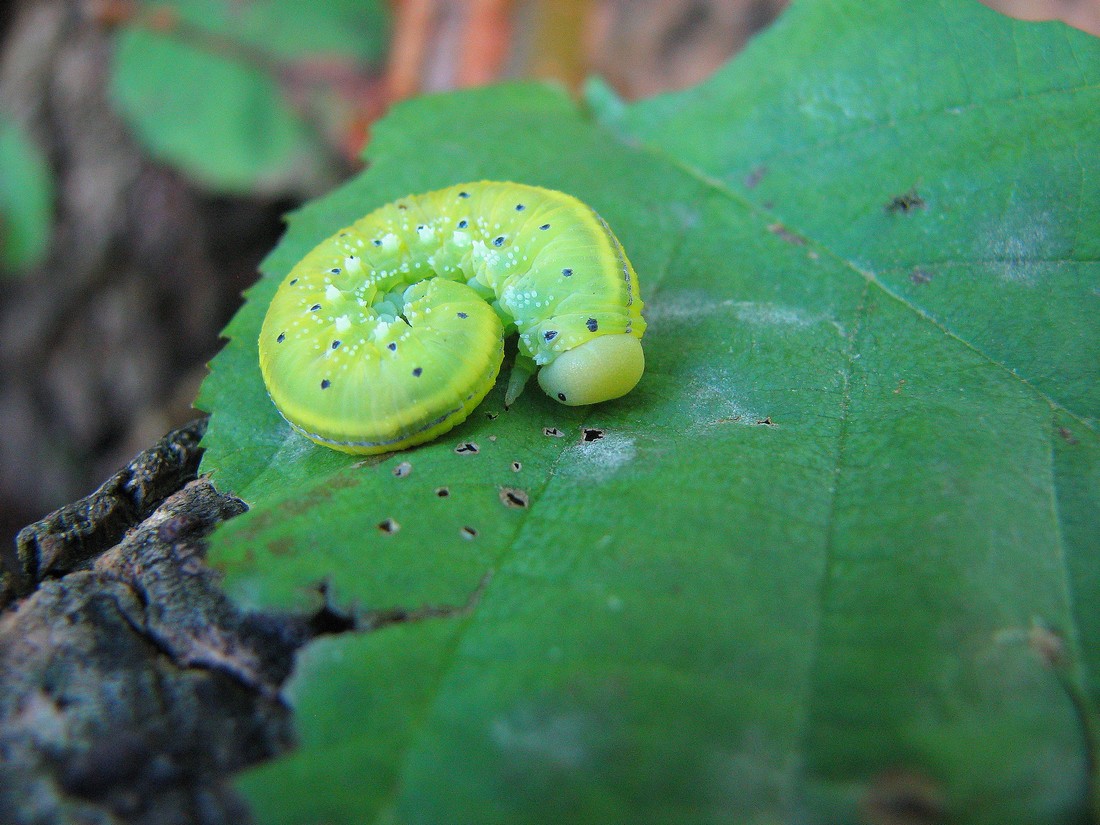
x=498 y=241
x=335 y=271
x=520 y=207
x=468 y=533
x=336 y=344
x=592 y=324
x=550 y=334
x=293 y=281
x=442 y=492
x=561 y=396
x=315 y=307
x=376 y=242
x=392 y=346
x=467 y=448
x=545 y=226
x=463 y=315
x=590 y=434
x=516 y=466
x=463 y=224
x=325 y=384
x=281 y=338
x=388 y=526
x=418 y=371
x=464 y=194
x=419 y=227
x=567 y=272
x=552 y=432
x=403 y=469
x=514 y=497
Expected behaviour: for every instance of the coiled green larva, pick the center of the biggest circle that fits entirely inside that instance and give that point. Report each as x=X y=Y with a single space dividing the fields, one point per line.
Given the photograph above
x=392 y=330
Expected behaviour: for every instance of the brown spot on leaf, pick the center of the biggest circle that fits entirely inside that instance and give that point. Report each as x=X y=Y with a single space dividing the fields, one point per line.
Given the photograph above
x=467 y=448
x=590 y=434
x=790 y=237
x=552 y=432
x=905 y=203
x=1047 y=645
x=903 y=797
x=767 y=421
x=920 y=276
x=388 y=526
x=403 y=469
x=281 y=546
x=468 y=532
x=1067 y=435
x=370 y=461
x=442 y=492
x=753 y=178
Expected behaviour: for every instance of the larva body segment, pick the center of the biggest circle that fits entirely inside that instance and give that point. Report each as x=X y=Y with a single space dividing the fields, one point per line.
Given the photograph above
x=391 y=331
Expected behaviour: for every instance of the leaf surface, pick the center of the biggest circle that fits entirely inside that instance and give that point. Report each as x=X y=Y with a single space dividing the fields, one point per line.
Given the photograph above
x=833 y=558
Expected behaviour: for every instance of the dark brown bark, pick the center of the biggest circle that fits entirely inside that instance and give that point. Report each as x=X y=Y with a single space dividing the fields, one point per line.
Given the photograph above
x=130 y=687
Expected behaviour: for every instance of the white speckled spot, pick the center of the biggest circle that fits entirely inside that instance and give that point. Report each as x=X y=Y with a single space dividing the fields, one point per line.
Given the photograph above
x=687 y=305
x=600 y=459
x=555 y=738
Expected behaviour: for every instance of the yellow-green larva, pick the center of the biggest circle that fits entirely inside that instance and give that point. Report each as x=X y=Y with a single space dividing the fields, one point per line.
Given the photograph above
x=392 y=330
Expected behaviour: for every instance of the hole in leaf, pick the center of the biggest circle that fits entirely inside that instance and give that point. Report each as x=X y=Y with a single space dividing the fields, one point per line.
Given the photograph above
x=514 y=497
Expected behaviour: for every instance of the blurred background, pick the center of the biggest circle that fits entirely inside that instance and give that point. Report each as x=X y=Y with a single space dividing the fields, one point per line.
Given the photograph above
x=149 y=149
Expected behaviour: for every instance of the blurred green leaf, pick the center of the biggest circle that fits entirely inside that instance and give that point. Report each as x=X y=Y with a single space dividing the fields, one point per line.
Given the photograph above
x=835 y=558
x=26 y=199
x=209 y=88
x=292 y=28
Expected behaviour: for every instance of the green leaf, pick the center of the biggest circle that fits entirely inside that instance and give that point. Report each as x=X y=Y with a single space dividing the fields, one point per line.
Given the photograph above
x=207 y=91
x=833 y=559
x=26 y=199
x=291 y=28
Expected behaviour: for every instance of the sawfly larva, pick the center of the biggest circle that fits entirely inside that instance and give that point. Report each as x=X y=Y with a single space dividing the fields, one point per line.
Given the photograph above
x=391 y=331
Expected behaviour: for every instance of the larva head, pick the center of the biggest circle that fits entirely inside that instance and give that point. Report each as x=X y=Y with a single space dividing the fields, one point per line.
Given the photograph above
x=597 y=370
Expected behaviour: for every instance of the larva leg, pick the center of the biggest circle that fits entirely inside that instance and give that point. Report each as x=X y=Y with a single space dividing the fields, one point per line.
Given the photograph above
x=522 y=370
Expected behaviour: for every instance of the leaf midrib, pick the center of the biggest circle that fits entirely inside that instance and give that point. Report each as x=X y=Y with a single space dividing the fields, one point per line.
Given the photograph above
x=431 y=697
